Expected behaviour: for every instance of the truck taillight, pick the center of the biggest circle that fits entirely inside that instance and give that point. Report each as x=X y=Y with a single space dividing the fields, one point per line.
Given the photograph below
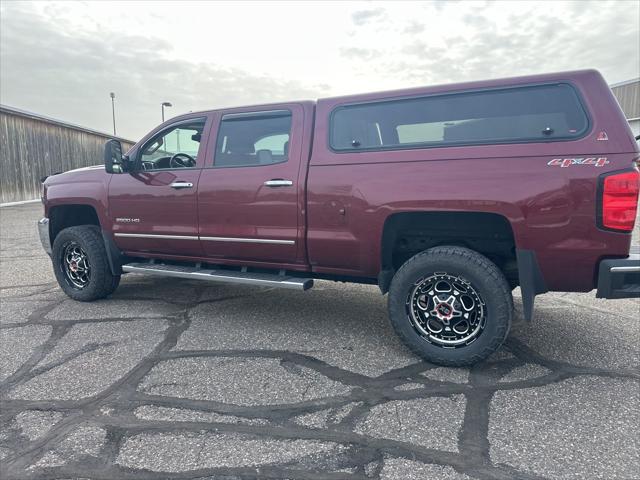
x=620 y=200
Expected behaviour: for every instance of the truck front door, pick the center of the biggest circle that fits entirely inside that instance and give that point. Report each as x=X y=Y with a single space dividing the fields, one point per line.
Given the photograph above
x=250 y=198
x=154 y=209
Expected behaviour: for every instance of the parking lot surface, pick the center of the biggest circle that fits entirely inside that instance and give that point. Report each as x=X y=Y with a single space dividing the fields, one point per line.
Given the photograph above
x=171 y=378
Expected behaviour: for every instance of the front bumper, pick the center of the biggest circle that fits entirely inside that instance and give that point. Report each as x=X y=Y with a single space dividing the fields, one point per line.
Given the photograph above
x=620 y=278
x=43 y=231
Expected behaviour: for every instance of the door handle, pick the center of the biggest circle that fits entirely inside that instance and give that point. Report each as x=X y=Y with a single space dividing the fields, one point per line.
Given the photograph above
x=178 y=185
x=278 y=182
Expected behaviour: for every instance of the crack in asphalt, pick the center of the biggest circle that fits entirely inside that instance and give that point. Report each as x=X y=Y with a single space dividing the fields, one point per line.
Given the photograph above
x=361 y=456
x=124 y=396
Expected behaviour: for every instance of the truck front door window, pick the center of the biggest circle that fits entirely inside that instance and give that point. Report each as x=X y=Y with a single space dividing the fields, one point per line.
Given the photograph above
x=176 y=147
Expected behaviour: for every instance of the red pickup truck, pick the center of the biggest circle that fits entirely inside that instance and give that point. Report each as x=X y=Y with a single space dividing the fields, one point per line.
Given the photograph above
x=447 y=197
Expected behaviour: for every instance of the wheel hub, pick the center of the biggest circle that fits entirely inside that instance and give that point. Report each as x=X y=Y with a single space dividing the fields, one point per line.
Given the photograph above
x=443 y=311
x=75 y=265
x=446 y=310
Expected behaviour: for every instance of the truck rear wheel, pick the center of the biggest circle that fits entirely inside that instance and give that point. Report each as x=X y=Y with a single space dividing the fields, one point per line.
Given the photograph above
x=451 y=305
x=81 y=265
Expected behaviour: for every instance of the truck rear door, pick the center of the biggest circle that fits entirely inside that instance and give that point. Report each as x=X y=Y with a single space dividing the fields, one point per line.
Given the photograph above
x=251 y=191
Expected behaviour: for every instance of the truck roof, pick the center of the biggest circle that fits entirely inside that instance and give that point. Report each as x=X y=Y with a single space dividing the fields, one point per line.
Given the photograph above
x=474 y=85
x=425 y=90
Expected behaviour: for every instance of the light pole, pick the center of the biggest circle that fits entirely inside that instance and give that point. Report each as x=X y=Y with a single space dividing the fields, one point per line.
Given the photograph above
x=113 y=111
x=165 y=104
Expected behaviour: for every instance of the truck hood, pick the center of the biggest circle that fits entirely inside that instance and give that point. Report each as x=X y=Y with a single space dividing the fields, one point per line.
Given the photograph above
x=92 y=167
x=76 y=173
x=92 y=173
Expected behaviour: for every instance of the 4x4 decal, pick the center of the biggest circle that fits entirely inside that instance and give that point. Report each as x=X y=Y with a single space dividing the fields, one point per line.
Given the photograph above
x=567 y=162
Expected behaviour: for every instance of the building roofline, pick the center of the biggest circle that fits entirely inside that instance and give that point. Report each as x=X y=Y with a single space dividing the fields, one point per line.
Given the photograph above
x=61 y=123
x=626 y=82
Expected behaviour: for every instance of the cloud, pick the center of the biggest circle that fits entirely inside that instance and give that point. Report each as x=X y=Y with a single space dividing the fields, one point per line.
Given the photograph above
x=422 y=50
x=362 y=17
x=63 y=59
x=46 y=70
x=477 y=21
x=414 y=28
x=492 y=41
x=359 y=53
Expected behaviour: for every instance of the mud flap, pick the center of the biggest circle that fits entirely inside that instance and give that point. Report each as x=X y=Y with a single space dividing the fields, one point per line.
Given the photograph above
x=114 y=255
x=531 y=280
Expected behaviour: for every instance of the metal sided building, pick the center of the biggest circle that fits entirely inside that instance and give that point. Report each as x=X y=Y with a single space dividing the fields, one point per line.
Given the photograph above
x=628 y=95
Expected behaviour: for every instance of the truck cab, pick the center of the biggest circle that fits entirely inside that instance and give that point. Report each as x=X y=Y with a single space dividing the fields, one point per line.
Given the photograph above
x=224 y=186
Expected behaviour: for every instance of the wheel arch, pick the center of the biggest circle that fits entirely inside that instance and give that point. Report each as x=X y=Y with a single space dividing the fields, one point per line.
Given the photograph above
x=491 y=234
x=67 y=215
x=71 y=215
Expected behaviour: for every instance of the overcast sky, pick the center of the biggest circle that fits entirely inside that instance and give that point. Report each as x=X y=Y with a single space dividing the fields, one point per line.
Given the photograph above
x=63 y=59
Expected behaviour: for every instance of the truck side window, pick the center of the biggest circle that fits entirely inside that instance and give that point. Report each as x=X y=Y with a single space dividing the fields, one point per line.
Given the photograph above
x=253 y=139
x=540 y=113
x=176 y=147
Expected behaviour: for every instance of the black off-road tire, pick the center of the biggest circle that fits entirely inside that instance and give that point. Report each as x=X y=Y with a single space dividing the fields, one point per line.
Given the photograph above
x=486 y=279
x=101 y=282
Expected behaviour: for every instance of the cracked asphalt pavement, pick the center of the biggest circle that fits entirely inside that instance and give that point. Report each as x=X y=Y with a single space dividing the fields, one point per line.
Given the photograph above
x=171 y=378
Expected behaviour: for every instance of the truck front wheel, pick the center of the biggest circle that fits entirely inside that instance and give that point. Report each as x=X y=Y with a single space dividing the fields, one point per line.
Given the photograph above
x=451 y=305
x=81 y=265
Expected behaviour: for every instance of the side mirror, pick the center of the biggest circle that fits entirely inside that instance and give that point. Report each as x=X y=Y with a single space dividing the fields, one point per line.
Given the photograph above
x=114 y=161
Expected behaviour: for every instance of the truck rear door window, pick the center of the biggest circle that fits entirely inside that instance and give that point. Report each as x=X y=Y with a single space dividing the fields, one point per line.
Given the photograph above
x=515 y=115
x=253 y=139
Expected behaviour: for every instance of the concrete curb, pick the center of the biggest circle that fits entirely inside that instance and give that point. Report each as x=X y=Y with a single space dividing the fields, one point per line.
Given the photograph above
x=12 y=204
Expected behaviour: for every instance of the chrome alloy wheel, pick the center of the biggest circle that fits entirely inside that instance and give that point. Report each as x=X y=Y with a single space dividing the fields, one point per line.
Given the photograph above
x=446 y=310
x=75 y=265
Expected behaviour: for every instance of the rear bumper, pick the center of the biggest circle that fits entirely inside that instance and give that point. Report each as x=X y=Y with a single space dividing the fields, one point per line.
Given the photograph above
x=619 y=278
x=43 y=232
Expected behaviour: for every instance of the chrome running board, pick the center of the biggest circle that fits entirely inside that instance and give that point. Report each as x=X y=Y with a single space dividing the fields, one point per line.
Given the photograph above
x=226 y=276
